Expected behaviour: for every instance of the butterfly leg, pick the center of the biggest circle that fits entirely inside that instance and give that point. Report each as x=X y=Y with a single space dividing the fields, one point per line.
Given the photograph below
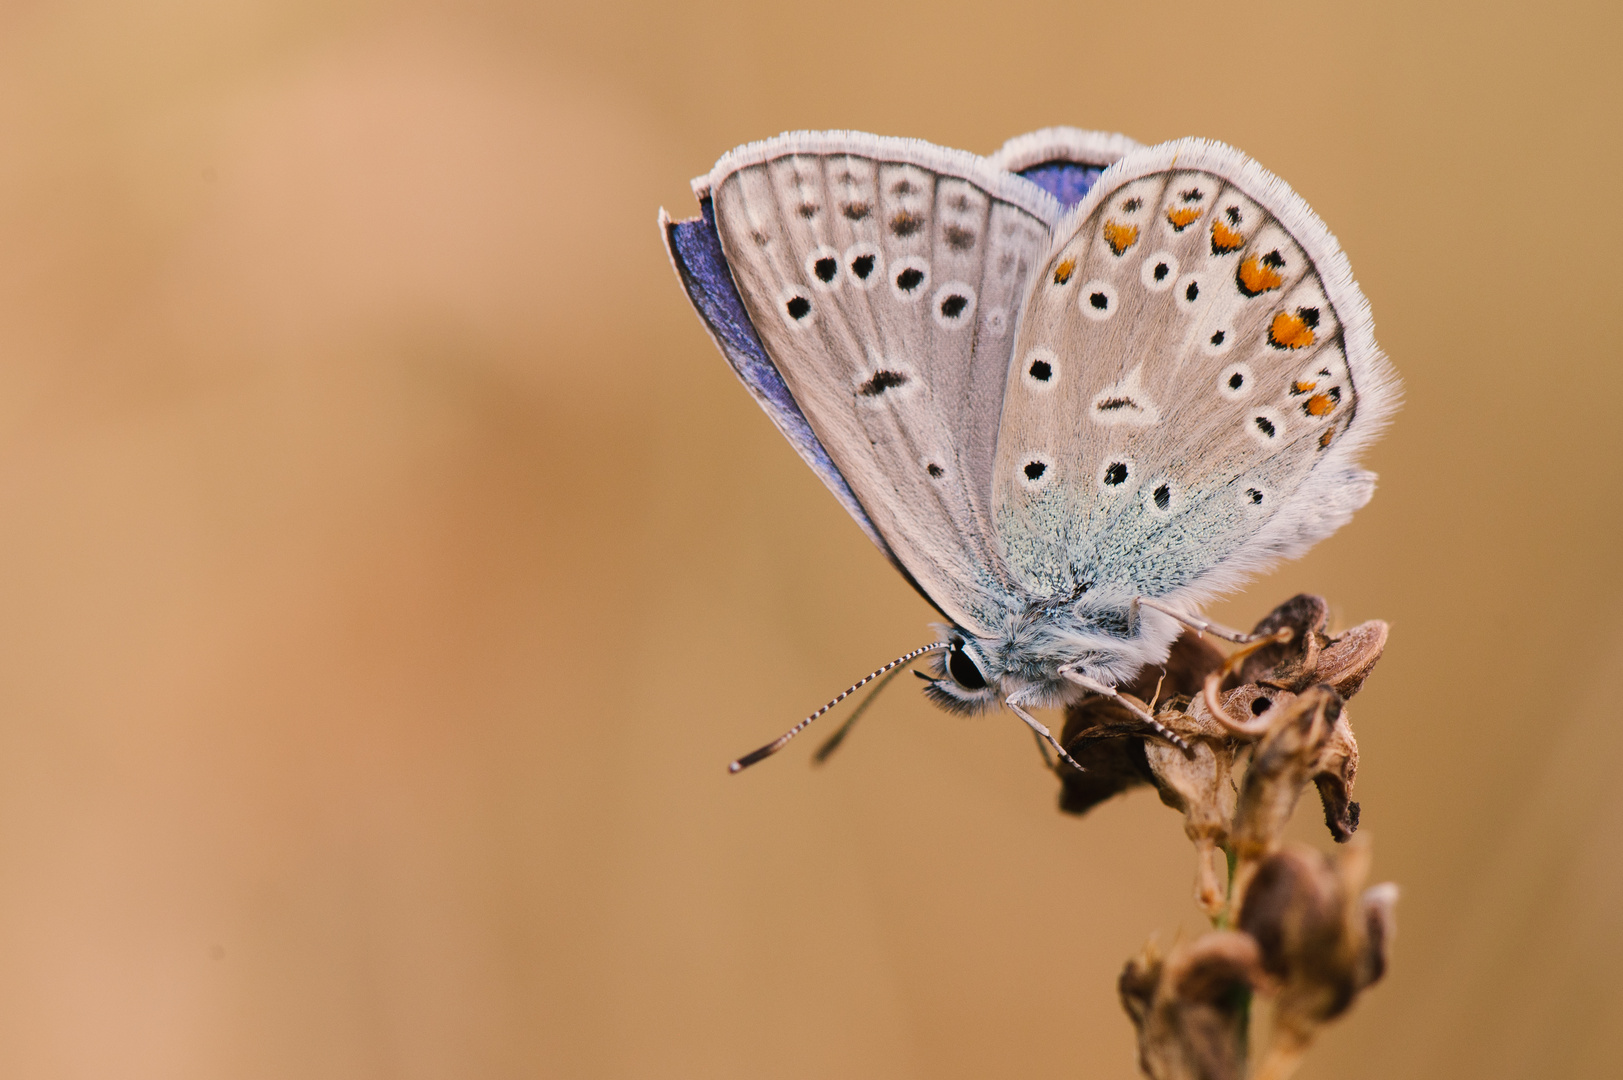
x=1205 y=626
x=1251 y=642
x=1043 y=733
x=1129 y=703
x=1042 y=748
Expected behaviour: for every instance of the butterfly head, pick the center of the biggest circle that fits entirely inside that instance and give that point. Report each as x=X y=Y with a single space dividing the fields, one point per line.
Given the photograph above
x=1028 y=659
x=961 y=679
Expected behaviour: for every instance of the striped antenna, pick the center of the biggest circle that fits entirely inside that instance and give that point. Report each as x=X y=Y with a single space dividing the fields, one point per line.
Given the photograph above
x=778 y=744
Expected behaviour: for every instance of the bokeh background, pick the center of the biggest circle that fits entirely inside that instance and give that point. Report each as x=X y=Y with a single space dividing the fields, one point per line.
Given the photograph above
x=389 y=565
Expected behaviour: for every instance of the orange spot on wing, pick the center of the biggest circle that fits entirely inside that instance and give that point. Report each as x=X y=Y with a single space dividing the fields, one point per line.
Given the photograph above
x=1063 y=272
x=1319 y=405
x=1225 y=239
x=1182 y=217
x=1256 y=276
x=1324 y=440
x=1302 y=387
x=1289 y=331
x=1120 y=237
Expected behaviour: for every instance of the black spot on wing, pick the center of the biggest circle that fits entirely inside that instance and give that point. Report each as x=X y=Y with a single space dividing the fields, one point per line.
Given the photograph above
x=882 y=381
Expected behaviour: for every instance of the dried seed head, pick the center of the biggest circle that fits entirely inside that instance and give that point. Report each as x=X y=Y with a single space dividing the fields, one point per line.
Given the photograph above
x=1191 y=1007
x=1320 y=938
x=1306 y=933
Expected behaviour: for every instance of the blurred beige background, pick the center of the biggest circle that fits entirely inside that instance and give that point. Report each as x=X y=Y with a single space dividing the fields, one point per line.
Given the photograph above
x=389 y=565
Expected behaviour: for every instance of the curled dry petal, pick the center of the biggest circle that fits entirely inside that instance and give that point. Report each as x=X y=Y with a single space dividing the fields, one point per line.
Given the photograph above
x=1281 y=766
x=1291 y=664
x=1347 y=661
x=1335 y=771
x=1191 y=1007
x=1252 y=700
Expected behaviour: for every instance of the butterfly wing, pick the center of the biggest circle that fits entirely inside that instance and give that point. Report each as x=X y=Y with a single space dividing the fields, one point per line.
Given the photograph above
x=1063 y=161
x=884 y=278
x=1194 y=375
x=696 y=256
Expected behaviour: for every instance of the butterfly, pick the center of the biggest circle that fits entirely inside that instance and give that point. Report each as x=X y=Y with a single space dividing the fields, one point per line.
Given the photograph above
x=1072 y=391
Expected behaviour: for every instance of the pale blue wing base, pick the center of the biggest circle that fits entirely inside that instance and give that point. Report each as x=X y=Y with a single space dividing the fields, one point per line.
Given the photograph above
x=695 y=252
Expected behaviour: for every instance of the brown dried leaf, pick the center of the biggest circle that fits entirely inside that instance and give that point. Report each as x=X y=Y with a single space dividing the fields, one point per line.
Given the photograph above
x=1347 y=661
x=1108 y=741
x=1111 y=766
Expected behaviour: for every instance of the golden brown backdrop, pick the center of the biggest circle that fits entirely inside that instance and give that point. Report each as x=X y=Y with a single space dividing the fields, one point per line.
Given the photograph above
x=389 y=564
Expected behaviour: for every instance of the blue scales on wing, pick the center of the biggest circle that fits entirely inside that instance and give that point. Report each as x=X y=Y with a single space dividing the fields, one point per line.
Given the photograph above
x=1065 y=180
x=696 y=253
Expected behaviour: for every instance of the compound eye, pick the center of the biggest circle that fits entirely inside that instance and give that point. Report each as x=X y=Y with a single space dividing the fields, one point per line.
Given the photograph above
x=963 y=670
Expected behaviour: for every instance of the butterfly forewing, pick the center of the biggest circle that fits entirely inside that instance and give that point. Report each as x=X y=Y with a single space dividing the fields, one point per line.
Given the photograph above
x=1182 y=385
x=885 y=279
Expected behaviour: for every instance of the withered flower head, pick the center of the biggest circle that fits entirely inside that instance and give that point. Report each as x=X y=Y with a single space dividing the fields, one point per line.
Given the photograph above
x=1308 y=939
x=1220 y=713
x=1322 y=939
x=1191 y=1006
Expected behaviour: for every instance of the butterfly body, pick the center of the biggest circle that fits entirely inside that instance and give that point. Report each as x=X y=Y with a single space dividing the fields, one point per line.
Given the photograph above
x=1050 y=385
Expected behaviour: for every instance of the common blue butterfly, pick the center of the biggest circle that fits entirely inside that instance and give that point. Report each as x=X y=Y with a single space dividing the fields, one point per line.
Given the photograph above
x=1072 y=390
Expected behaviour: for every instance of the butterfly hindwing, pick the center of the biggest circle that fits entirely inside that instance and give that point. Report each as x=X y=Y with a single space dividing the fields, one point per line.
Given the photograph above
x=1063 y=161
x=885 y=277
x=1194 y=372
